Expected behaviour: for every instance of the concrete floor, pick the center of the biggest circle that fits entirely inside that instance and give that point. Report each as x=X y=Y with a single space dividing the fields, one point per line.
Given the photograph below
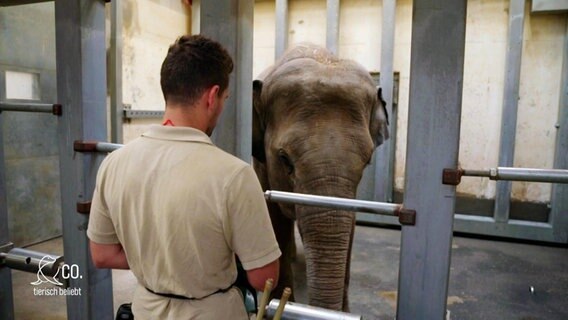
x=488 y=280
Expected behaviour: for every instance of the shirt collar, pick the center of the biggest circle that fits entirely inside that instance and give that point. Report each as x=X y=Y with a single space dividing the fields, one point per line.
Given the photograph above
x=177 y=134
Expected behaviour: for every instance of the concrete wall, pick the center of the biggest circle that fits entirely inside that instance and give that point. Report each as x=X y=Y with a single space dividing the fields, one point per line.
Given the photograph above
x=486 y=41
x=31 y=164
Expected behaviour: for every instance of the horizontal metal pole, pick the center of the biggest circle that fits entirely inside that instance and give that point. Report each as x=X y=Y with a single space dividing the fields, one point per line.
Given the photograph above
x=7 y=3
x=521 y=174
x=333 y=202
x=297 y=311
x=31 y=261
x=137 y=114
x=31 y=107
x=108 y=147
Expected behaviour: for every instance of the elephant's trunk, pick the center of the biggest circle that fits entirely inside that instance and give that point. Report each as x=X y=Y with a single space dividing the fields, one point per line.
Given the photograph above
x=327 y=236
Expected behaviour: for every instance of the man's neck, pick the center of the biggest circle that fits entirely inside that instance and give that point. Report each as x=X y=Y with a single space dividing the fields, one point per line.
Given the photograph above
x=181 y=116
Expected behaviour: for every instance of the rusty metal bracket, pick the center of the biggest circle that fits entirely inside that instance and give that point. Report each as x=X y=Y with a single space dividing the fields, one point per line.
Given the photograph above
x=84 y=207
x=85 y=146
x=57 y=109
x=406 y=217
x=452 y=176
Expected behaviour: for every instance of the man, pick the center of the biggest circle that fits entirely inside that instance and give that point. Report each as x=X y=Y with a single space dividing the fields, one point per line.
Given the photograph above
x=175 y=209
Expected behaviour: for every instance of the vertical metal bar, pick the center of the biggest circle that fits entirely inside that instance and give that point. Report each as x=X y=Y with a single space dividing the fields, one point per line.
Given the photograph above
x=116 y=71
x=6 y=296
x=510 y=104
x=244 y=79
x=559 y=199
x=218 y=21
x=384 y=164
x=281 y=28
x=230 y=22
x=436 y=77
x=81 y=89
x=332 y=27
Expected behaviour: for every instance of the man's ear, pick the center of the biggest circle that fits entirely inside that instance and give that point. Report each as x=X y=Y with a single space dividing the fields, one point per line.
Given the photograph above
x=258 y=124
x=212 y=95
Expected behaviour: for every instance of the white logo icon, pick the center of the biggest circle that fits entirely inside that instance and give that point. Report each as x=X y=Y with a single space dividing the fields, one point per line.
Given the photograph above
x=41 y=278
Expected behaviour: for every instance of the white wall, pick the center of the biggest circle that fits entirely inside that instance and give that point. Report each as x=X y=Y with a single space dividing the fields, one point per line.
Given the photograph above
x=149 y=28
x=486 y=41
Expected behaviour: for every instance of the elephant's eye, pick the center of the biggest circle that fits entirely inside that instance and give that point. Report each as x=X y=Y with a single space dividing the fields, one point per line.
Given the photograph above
x=285 y=160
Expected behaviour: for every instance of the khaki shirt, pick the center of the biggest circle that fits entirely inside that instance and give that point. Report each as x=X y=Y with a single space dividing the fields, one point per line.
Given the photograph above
x=181 y=208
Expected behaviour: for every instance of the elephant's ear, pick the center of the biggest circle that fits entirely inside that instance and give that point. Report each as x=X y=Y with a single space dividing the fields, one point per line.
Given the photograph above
x=258 y=125
x=379 y=120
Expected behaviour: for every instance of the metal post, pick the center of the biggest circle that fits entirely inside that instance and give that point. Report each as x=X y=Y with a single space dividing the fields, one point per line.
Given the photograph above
x=510 y=104
x=81 y=87
x=243 y=78
x=281 y=28
x=230 y=22
x=384 y=159
x=115 y=75
x=559 y=198
x=6 y=297
x=332 y=28
x=436 y=75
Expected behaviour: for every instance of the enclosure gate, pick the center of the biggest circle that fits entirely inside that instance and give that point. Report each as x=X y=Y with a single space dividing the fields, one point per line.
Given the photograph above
x=377 y=182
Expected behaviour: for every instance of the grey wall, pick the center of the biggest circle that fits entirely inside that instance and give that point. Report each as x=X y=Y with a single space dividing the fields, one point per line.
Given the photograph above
x=31 y=164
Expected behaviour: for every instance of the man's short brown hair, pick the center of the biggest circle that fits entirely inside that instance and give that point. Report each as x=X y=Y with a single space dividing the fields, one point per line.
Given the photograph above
x=192 y=65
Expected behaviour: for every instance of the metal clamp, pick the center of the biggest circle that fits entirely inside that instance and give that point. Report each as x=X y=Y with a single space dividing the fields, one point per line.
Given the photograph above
x=452 y=176
x=84 y=207
x=85 y=146
x=57 y=109
x=406 y=217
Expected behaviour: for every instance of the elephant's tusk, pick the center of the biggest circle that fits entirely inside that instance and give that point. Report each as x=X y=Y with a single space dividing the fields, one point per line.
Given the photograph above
x=264 y=301
x=283 y=300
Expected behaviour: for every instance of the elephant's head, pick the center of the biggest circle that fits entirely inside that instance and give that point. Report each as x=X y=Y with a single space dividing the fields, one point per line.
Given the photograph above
x=316 y=122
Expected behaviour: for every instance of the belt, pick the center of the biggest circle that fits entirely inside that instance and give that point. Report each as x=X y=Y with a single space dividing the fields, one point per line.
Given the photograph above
x=176 y=296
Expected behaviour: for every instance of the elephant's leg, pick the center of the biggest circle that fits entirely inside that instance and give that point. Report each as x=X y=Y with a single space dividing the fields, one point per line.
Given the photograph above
x=327 y=237
x=284 y=230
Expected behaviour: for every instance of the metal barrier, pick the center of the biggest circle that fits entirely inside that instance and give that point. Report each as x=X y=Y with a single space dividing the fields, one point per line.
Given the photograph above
x=453 y=176
x=297 y=311
x=406 y=216
x=55 y=109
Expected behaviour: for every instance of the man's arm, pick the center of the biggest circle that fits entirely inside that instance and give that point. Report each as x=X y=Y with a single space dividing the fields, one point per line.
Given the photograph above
x=111 y=256
x=257 y=277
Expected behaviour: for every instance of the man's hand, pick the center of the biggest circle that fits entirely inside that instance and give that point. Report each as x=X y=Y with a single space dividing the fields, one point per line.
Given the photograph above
x=110 y=256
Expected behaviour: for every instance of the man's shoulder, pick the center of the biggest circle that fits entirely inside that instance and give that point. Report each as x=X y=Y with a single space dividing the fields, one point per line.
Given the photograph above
x=227 y=160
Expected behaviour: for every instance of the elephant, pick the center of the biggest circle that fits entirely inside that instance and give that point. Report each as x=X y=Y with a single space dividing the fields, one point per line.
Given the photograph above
x=316 y=122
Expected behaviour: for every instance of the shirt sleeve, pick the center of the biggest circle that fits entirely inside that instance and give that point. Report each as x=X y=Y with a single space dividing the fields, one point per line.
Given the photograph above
x=101 y=229
x=251 y=235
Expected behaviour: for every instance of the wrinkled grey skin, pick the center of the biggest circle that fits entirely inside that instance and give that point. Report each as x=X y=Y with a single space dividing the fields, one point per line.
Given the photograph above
x=316 y=122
